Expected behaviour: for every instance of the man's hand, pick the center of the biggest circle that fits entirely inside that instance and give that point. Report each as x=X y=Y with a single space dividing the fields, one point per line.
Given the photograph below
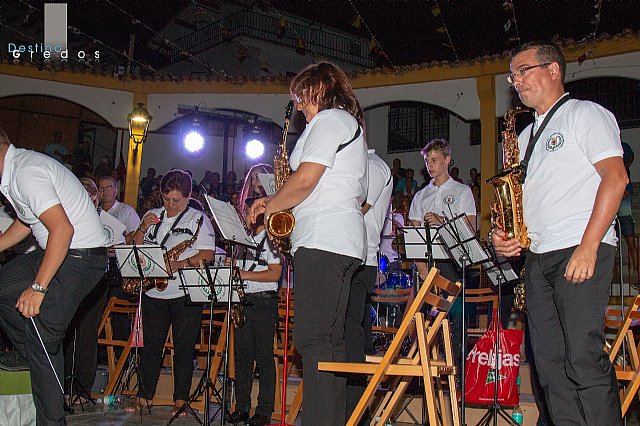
x=257 y=208
x=506 y=248
x=29 y=303
x=581 y=264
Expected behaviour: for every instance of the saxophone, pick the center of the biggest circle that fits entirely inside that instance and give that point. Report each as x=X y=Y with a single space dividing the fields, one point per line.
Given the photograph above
x=506 y=211
x=132 y=285
x=281 y=224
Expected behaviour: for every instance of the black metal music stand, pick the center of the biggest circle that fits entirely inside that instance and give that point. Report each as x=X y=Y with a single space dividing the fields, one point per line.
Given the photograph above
x=465 y=249
x=132 y=266
x=500 y=272
x=73 y=381
x=230 y=226
x=205 y=291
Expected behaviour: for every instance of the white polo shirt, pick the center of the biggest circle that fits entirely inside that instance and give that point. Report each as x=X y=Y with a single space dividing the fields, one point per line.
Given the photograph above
x=378 y=196
x=561 y=185
x=449 y=199
x=268 y=255
x=206 y=241
x=330 y=218
x=34 y=182
x=125 y=214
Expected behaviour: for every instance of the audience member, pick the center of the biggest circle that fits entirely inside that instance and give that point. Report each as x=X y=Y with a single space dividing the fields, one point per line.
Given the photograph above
x=455 y=175
x=56 y=148
x=403 y=184
x=397 y=171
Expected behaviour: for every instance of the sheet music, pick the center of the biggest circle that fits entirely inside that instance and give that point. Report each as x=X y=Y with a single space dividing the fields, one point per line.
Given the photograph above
x=113 y=228
x=151 y=259
x=228 y=222
x=268 y=181
x=416 y=246
x=196 y=286
x=460 y=237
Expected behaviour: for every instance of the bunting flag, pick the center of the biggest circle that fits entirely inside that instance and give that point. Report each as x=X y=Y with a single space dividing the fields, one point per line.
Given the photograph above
x=441 y=30
x=264 y=66
x=226 y=34
x=507 y=5
x=374 y=48
x=582 y=58
x=435 y=11
x=243 y=53
x=282 y=27
x=357 y=22
x=507 y=25
x=301 y=47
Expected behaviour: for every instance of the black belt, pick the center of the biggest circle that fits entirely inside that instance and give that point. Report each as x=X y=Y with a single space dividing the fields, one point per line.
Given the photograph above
x=263 y=295
x=90 y=251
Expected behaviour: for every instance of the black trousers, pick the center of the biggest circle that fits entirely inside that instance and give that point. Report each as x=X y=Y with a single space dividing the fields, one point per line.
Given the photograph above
x=566 y=325
x=81 y=342
x=322 y=284
x=254 y=343
x=184 y=319
x=357 y=330
x=76 y=277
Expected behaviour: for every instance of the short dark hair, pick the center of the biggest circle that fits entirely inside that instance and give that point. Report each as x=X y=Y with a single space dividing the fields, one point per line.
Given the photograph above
x=111 y=178
x=545 y=52
x=176 y=180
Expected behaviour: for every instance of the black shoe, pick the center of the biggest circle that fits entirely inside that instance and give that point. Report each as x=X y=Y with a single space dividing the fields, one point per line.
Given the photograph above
x=258 y=420
x=13 y=361
x=238 y=417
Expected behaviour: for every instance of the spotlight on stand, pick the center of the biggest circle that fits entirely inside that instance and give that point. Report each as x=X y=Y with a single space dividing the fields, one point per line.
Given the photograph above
x=254 y=147
x=194 y=140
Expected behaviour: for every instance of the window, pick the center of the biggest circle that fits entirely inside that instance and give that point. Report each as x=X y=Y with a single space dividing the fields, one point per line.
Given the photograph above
x=413 y=124
x=619 y=95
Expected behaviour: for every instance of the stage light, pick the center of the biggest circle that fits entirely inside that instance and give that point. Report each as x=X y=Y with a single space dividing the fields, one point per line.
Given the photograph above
x=254 y=149
x=193 y=142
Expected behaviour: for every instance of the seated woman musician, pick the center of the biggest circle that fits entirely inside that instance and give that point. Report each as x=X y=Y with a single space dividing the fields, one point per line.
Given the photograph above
x=188 y=235
x=260 y=271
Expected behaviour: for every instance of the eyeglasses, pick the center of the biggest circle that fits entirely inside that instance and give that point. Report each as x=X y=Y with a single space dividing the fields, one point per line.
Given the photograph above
x=522 y=71
x=104 y=188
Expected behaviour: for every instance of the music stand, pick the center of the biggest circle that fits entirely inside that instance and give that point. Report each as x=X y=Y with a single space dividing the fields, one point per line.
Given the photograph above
x=200 y=286
x=229 y=225
x=465 y=249
x=146 y=261
x=499 y=271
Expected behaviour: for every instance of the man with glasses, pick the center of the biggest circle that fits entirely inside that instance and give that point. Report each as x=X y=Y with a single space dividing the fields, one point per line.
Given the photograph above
x=575 y=179
x=123 y=212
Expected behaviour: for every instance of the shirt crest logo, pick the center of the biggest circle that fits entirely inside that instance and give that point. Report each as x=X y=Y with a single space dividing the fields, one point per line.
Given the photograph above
x=449 y=199
x=20 y=210
x=554 y=142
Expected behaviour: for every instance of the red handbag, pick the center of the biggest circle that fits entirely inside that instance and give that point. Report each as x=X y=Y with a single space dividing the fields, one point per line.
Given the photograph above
x=480 y=367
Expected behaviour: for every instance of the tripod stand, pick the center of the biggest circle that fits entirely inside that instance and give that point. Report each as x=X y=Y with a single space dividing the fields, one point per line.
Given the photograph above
x=73 y=381
x=132 y=260
x=464 y=247
x=195 y=294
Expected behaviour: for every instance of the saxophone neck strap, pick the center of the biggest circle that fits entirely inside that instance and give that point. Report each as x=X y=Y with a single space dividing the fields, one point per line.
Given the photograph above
x=346 y=144
x=534 y=138
x=166 y=237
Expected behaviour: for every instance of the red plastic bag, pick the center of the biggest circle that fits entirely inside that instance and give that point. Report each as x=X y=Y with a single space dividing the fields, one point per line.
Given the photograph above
x=480 y=367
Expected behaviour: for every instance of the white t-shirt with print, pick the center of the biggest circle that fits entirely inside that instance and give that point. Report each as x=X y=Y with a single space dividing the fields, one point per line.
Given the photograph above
x=560 y=189
x=206 y=241
x=449 y=199
x=34 y=182
x=330 y=218
x=268 y=255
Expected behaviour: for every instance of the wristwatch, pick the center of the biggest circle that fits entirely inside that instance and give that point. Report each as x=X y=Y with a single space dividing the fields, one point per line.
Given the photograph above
x=38 y=288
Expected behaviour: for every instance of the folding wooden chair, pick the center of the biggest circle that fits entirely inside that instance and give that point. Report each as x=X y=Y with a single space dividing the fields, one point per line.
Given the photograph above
x=278 y=354
x=627 y=366
x=485 y=297
x=423 y=359
x=105 y=337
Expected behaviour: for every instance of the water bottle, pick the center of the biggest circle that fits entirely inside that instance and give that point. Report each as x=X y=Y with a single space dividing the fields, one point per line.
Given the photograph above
x=517 y=415
x=518 y=383
x=111 y=402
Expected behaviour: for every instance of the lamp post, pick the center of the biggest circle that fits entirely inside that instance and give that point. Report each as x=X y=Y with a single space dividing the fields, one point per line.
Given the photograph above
x=139 y=119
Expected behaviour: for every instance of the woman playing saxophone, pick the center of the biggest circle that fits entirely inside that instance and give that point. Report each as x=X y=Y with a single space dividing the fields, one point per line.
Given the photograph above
x=326 y=192
x=170 y=226
x=260 y=271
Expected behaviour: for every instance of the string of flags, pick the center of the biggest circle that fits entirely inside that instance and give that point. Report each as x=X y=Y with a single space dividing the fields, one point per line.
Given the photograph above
x=511 y=26
x=442 y=28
